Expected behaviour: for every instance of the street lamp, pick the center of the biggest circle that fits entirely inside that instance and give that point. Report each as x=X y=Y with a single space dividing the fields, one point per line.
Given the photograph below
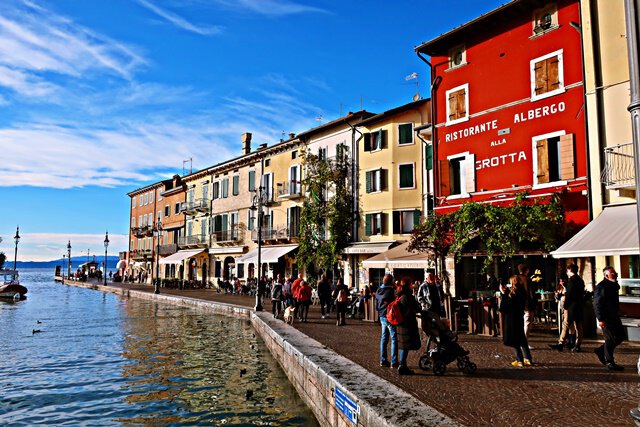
x=16 y=238
x=69 y=259
x=156 y=232
x=62 y=269
x=106 y=245
x=260 y=199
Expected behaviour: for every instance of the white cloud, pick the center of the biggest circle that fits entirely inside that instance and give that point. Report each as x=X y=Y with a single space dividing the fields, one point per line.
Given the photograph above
x=179 y=21
x=270 y=7
x=50 y=246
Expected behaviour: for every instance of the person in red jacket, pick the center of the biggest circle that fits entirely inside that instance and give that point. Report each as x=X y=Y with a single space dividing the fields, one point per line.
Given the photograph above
x=304 y=300
x=295 y=287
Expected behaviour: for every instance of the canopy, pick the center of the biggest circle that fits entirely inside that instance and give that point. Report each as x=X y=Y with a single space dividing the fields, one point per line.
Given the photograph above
x=367 y=248
x=226 y=250
x=180 y=256
x=613 y=232
x=399 y=257
x=270 y=254
x=121 y=264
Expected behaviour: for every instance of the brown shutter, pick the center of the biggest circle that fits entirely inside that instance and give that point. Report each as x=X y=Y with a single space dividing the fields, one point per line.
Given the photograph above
x=553 y=80
x=540 y=70
x=542 y=148
x=470 y=172
x=567 y=157
x=462 y=107
x=445 y=184
x=453 y=106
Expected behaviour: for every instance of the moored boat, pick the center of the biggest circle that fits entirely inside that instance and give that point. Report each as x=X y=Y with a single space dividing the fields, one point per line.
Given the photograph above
x=10 y=287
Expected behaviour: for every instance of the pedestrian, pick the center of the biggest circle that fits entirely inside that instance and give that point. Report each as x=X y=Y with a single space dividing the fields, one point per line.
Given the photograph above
x=606 y=305
x=385 y=294
x=324 y=294
x=304 y=300
x=531 y=303
x=110 y=275
x=276 y=298
x=512 y=307
x=431 y=299
x=408 y=332
x=341 y=297
x=295 y=286
x=573 y=309
x=286 y=293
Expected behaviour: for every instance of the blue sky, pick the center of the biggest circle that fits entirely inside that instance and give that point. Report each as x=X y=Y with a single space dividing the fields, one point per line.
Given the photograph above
x=101 y=97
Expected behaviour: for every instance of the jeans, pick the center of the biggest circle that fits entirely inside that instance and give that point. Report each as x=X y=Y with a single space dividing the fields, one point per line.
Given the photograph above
x=325 y=301
x=403 y=357
x=388 y=331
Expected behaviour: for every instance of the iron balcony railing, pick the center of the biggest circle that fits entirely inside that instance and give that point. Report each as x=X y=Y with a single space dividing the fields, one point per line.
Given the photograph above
x=281 y=232
x=196 y=240
x=618 y=169
x=232 y=234
x=192 y=207
x=290 y=189
x=142 y=231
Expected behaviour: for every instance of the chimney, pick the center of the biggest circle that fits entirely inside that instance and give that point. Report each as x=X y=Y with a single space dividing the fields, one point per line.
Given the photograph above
x=262 y=146
x=246 y=143
x=292 y=135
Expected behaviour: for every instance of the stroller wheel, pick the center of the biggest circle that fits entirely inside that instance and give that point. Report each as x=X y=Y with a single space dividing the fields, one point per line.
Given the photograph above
x=439 y=368
x=461 y=364
x=425 y=362
x=470 y=368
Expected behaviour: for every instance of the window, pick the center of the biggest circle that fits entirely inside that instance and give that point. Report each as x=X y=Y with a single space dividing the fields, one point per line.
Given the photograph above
x=189 y=228
x=190 y=196
x=205 y=191
x=294 y=154
x=405 y=132
x=406 y=176
x=167 y=211
x=545 y=19
x=252 y=180
x=428 y=157
x=375 y=141
x=235 y=190
x=458 y=104
x=374 y=224
x=322 y=153
x=133 y=222
x=341 y=151
x=547 y=76
x=141 y=200
x=267 y=185
x=203 y=226
x=267 y=162
x=146 y=199
x=133 y=202
x=225 y=187
x=457 y=56
x=250 y=220
x=554 y=158
x=293 y=221
x=376 y=180
x=294 y=180
x=159 y=195
x=458 y=175
x=405 y=221
x=216 y=190
x=151 y=197
x=176 y=208
x=140 y=223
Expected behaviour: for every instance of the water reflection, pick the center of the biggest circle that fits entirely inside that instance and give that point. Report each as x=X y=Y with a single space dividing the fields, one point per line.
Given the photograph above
x=104 y=360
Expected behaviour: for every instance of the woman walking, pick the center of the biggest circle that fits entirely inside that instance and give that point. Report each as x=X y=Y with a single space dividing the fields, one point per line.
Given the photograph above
x=407 y=331
x=341 y=297
x=276 y=299
x=304 y=300
x=512 y=307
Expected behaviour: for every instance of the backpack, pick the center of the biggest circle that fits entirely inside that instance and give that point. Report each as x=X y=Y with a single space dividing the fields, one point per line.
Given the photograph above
x=394 y=312
x=342 y=296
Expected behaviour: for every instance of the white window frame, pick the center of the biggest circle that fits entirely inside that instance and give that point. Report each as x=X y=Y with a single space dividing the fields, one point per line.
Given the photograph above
x=402 y=212
x=463 y=175
x=151 y=193
x=140 y=223
x=534 y=159
x=133 y=202
x=290 y=182
x=414 y=176
x=466 y=104
x=140 y=203
x=267 y=178
x=167 y=208
x=452 y=52
x=146 y=199
x=532 y=75
x=413 y=137
x=133 y=222
x=159 y=198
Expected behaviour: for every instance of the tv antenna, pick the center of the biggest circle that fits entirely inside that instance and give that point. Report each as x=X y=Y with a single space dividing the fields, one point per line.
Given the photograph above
x=414 y=76
x=184 y=162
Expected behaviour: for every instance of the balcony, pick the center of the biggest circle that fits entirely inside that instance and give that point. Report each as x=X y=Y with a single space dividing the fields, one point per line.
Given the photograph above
x=141 y=254
x=195 y=241
x=143 y=231
x=233 y=234
x=618 y=169
x=290 y=190
x=194 y=207
x=165 y=250
x=281 y=232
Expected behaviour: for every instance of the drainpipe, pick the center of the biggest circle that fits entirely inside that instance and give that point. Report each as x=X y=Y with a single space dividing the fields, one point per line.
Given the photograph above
x=632 y=8
x=354 y=183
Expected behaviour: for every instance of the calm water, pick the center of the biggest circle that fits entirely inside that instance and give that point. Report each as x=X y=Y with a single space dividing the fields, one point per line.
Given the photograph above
x=104 y=360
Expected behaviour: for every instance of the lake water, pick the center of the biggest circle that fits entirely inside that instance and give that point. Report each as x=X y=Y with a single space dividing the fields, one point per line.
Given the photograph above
x=100 y=359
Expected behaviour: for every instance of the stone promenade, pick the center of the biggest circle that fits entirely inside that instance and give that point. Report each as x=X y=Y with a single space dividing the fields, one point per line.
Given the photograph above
x=561 y=389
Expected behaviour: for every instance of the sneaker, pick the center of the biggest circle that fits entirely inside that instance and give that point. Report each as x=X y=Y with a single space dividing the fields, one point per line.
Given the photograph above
x=612 y=366
x=558 y=346
x=385 y=364
x=395 y=365
x=600 y=353
x=517 y=364
x=527 y=362
x=531 y=347
x=403 y=370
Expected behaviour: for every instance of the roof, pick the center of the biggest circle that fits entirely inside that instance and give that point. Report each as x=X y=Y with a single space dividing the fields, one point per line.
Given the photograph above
x=358 y=116
x=149 y=187
x=390 y=113
x=443 y=42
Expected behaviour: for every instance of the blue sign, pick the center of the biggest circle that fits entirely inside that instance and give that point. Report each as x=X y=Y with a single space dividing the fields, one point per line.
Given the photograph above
x=347 y=406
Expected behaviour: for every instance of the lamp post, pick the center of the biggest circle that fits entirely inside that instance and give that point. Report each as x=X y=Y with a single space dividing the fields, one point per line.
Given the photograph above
x=156 y=231
x=62 y=269
x=106 y=245
x=260 y=199
x=69 y=260
x=16 y=239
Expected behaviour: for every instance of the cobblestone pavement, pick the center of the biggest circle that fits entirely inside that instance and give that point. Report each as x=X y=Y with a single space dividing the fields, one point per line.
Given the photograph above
x=560 y=389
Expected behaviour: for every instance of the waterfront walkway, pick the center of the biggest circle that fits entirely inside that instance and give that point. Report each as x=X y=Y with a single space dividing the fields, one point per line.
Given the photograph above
x=561 y=389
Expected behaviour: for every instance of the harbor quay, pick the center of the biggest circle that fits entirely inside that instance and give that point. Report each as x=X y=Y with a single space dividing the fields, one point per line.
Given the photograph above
x=325 y=362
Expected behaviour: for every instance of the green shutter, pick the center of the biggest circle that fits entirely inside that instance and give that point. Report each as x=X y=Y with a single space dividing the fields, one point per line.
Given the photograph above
x=367 y=225
x=368 y=182
x=383 y=139
x=406 y=176
x=405 y=133
x=383 y=179
x=429 y=157
x=416 y=218
x=236 y=185
x=225 y=222
x=367 y=142
x=396 y=222
x=252 y=180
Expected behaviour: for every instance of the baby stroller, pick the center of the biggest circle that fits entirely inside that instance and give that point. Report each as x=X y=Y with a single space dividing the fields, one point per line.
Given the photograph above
x=445 y=347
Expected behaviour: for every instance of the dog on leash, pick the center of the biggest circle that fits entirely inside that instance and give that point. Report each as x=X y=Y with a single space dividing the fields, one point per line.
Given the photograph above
x=289 y=315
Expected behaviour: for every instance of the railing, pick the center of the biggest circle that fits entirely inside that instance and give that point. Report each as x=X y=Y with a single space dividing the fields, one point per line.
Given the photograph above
x=281 y=232
x=290 y=189
x=231 y=235
x=193 y=206
x=142 y=231
x=168 y=249
x=141 y=253
x=618 y=169
x=195 y=240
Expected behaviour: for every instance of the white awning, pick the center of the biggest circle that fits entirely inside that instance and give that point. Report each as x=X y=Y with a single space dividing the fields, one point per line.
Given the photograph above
x=180 y=256
x=269 y=254
x=613 y=232
x=226 y=250
x=399 y=257
x=367 y=248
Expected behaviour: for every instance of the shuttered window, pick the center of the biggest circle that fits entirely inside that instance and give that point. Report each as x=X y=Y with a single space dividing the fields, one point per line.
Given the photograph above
x=236 y=185
x=405 y=131
x=555 y=159
x=428 y=158
x=406 y=177
x=375 y=141
x=225 y=188
x=374 y=224
x=547 y=75
x=458 y=175
x=252 y=180
x=375 y=180
x=405 y=221
x=457 y=102
x=216 y=190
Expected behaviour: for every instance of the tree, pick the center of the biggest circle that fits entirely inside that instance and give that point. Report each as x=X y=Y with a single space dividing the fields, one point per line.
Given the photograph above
x=326 y=219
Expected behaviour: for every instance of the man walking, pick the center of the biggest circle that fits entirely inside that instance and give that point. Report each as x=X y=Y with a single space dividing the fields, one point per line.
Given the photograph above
x=606 y=305
x=324 y=294
x=384 y=296
x=573 y=310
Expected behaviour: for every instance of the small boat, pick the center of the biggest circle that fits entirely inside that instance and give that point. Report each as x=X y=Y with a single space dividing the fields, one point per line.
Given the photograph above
x=10 y=287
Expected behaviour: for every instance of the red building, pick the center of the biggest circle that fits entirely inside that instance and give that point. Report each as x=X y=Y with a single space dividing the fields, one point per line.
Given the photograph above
x=509 y=107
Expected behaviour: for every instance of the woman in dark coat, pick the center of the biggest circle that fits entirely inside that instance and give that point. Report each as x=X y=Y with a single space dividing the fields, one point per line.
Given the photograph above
x=512 y=307
x=341 y=297
x=407 y=332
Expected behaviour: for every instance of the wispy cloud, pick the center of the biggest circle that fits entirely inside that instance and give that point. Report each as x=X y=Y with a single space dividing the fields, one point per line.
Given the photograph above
x=270 y=7
x=179 y=21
